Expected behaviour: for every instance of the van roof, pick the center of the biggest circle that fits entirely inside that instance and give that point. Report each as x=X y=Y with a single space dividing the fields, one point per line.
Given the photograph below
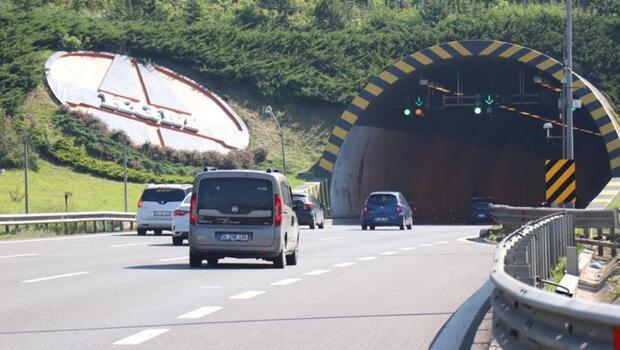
x=180 y=186
x=242 y=173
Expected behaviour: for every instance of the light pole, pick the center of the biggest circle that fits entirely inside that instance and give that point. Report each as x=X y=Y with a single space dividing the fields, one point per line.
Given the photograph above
x=269 y=110
x=25 y=140
x=568 y=81
x=125 y=177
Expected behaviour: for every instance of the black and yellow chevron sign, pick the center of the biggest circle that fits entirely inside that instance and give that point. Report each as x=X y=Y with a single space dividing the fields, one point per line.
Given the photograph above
x=560 y=180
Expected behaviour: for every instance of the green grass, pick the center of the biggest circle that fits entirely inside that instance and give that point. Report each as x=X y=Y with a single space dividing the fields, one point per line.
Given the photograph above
x=557 y=274
x=49 y=184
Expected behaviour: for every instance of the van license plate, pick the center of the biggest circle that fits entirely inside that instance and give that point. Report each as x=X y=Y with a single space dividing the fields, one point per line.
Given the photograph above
x=162 y=213
x=243 y=237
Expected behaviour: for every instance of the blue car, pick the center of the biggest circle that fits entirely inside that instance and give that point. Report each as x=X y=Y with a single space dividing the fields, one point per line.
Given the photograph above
x=478 y=211
x=386 y=209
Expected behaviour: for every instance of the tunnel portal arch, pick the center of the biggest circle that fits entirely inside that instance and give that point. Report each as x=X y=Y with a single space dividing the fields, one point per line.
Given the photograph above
x=592 y=99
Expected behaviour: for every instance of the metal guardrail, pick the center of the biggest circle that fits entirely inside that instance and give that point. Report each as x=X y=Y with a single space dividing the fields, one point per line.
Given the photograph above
x=517 y=216
x=17 y=220
x=541 y=319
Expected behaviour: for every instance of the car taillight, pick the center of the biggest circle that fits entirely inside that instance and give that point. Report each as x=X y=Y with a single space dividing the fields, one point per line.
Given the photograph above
x=140 y=203
x=179 y=212
x=365 y=209
x=277 y=204
x=309 y=206
x=399 y=208
x=192 y=209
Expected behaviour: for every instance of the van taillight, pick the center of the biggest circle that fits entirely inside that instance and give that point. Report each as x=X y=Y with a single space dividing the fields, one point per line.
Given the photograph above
x=309 y=206
x=277 y=205
x=192 y=210
x=365 y=209
x=399 y=208
x=140 y=203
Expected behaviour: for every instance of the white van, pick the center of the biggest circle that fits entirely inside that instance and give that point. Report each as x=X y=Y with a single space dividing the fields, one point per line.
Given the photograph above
x=156 y=206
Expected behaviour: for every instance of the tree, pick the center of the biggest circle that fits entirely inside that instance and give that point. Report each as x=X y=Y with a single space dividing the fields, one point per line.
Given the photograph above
x=331 y=14
x=192 y=11
x=283 y=8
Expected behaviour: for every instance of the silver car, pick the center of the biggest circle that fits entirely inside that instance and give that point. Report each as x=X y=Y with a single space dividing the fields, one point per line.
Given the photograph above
x=157 y=204
x=242 y=214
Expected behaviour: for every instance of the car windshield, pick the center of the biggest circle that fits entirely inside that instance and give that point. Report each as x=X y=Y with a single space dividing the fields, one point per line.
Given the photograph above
x=382 y=199
x=163 y=195
x=245 y=194
x=299 y=197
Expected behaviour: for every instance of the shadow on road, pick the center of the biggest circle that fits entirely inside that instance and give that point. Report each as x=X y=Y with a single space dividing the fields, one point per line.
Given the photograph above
x=185 y=266
x=183 y=324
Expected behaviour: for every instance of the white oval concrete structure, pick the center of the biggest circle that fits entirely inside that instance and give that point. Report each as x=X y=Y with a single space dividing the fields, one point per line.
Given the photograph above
x=148 y=102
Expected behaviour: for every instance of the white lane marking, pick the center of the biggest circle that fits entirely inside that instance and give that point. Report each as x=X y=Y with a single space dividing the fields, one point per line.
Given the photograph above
x=344 y=264
x=407 y=248
x=248 y=295
x=141 y=336
x=57 y=276
x=316 y=272
x=391 y=252
x=96 y=235
x=330 y=238
x=442 y=242
x=466 y=239
x=173 y=259
x=210 y=287
x=128 y=245
x=286 y=282
x=425 y=245
x=18 y=256
x=201 y=312
x=367 y=258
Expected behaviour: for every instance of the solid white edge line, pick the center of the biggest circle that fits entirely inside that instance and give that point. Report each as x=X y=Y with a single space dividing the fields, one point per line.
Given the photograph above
x=200 y=312
x=141 y=336
x=56 y=276
x=286 y=282
x=344 y=264
x=316 y=272
x=18 y=256
x=91 y=235
x=128 y=245
x=248 y=295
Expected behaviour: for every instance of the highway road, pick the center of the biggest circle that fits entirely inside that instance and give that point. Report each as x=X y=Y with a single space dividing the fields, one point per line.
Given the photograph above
x=352 y=289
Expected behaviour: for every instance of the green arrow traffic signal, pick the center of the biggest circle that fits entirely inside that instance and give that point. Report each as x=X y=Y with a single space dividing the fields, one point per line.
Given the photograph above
x=419 y=102
x=489 y=100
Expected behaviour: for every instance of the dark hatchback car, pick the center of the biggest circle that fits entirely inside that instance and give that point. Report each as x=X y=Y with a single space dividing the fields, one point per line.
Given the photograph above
x=309 y=210
x=386 y=209
x=479 y=211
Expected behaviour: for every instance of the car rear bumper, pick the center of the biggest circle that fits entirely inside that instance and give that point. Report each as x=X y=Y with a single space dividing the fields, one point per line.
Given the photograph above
x=382 y=220
x=305 y=218
x=204 y=243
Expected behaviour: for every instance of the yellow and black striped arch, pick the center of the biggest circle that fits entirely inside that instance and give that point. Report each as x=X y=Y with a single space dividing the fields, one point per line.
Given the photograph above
x=591 y=98
x=561 y=185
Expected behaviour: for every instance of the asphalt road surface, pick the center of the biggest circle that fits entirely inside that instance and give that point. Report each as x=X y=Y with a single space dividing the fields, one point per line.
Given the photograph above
x=352 y=289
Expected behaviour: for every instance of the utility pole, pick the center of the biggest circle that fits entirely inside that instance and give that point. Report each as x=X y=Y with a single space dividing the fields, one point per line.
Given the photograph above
x=26 y=165
x=568 y=81
x=125 y=177
x=269 y=111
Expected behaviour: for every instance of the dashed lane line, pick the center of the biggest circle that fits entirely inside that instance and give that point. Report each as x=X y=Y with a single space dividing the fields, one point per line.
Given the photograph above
x=200 y=312
x=331 y=238
x=407 y=248
x=389 y=253
x=316 y=272
x=441 y=242
x=425 y=245
x=248 y=295
x=18 y=256
x=173 y=259
x=56 y=277
x=141 y=336
x=286 y=282
x=367 y=258
x=344 y=264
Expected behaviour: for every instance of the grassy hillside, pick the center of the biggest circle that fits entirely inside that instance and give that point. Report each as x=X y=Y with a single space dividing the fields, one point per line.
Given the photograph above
x=49 y=184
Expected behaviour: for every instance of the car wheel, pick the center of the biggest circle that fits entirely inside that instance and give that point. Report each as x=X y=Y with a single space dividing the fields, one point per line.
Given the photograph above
x=141 y=232
x=372 y=227
x=280 y=261
x=157 y=232
x=195 y=260
x=312 y=227
x=364 y=227
x=402 y=225
x=177 y=240
x=213 y=261
x=322 y=224
x=292 y=259
x=409 y=227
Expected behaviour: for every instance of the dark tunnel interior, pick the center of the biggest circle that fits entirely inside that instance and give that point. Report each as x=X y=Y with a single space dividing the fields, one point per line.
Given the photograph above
x=443 y=158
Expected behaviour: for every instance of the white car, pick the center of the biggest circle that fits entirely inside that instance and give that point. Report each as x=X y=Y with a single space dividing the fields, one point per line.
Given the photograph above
x=156 y=206
x=180 y=221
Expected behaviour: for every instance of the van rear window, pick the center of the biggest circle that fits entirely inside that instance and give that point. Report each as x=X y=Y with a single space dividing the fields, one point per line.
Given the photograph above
x=163 y=195
x=246 y=195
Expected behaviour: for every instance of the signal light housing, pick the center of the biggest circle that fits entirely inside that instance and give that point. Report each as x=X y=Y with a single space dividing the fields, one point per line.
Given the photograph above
x=192 y=210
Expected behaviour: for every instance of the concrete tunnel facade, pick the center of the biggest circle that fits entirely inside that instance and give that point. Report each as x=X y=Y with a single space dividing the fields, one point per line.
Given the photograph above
x=441 y=160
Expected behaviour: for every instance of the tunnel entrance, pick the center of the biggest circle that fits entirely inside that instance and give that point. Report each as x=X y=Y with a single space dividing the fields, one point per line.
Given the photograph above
x=453 y=151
